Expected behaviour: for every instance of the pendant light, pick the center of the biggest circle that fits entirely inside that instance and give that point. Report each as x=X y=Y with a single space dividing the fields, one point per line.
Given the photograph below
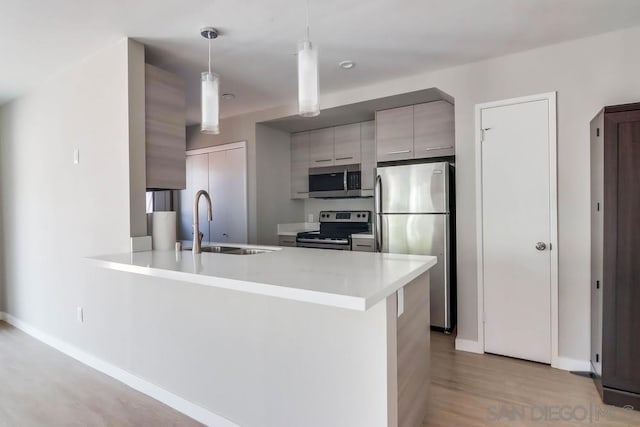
x=308 y=87
x=210 y=91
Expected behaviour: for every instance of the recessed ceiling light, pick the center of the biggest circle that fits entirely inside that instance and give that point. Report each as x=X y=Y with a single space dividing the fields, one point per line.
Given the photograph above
x=347 y=65
x=228 y=96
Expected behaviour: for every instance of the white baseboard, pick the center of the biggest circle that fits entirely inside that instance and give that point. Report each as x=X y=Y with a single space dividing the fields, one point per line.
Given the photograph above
x=568 y=364
x=192 y=410
x=468 y=345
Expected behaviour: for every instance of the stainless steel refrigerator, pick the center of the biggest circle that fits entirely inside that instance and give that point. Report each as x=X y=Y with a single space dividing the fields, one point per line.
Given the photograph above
x=415 y=207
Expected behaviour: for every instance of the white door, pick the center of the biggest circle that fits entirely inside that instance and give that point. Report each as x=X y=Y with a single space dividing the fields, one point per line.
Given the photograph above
x=516 y=229
x=222 y=172
x=228 y=191
x=218 y=180
x=197 y=179
x=236 y=196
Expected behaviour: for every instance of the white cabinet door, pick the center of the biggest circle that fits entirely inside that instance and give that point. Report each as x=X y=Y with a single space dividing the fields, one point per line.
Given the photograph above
x=321 y=144
x=300 y=165
x=433 y=125
x=219 y=192
x=197 y=179
x=347 y=144
x=368 y=156
x=235 y=201
x=394 y=134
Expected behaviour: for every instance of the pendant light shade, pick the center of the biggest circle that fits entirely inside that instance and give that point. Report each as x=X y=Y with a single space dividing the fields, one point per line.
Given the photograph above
x=210 y=98
x=210 y=91
x=308 y=86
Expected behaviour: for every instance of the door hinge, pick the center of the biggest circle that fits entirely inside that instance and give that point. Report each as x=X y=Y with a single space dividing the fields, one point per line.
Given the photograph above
x=597 y=358
x=597 y=284
x=597 y=131
x=598 y=206
x=483 y=130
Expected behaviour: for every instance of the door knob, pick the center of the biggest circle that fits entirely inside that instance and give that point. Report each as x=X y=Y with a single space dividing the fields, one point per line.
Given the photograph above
x=541 y=246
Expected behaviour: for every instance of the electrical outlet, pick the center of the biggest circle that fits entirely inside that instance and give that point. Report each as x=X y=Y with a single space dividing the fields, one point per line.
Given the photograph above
x=80 y=314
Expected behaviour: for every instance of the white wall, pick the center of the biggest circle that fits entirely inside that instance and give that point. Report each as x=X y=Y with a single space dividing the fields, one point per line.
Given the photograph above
x=55 y=212
x=587 y=74
x=2 y=285
x=273 y=175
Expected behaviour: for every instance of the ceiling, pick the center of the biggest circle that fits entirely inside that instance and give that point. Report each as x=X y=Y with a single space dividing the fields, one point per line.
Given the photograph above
x=255 y=53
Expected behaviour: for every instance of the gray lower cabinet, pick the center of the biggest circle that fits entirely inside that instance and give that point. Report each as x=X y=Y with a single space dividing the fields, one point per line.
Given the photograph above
x=362 y=245
x=285 y=240
x=166 y=141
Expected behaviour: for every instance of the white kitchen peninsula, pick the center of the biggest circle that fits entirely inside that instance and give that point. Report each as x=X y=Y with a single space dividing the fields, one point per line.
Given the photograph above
x=301 y=337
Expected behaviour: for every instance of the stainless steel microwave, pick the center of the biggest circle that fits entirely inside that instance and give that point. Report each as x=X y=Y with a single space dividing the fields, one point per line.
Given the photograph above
x=335 y=181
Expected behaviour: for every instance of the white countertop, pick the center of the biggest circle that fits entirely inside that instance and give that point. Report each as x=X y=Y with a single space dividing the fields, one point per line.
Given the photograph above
x=292 y=229
x=352 y=280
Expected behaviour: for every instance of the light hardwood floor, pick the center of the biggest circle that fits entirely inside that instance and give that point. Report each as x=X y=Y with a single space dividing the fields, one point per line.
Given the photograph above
x=40 y=386
x=485 y=390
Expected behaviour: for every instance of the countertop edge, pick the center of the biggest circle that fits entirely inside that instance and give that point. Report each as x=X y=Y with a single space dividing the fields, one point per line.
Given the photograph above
x=398 y=284
x=294 y=294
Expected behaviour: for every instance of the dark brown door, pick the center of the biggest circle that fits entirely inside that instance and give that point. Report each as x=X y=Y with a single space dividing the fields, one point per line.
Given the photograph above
x=621 y=285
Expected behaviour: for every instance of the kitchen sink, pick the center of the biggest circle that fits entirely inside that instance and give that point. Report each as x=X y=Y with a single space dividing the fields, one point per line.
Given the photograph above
x=233 y=250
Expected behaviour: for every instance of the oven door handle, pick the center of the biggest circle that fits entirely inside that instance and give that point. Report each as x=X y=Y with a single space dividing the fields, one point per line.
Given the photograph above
x=378 y=205
x=344 y=180
x=318 y=241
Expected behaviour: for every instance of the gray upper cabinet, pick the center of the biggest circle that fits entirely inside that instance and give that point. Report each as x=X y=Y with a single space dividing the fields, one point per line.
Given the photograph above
x=300 y=165
x=394 y=133
x=166 y=141
x=321 y=144
x=415 y=132
x=433 y=129
x=347 y=144
x=368 y=156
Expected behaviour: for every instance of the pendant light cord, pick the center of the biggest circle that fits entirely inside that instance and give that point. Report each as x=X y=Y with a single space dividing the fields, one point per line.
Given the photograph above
x=209 y=56
x=308 y=38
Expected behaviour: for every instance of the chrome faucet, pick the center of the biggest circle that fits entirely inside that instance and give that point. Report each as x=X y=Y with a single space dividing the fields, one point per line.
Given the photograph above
x=197 y=235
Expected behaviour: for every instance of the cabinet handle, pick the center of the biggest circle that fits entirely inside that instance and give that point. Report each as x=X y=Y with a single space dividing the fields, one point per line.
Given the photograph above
x=302 y=192
x=323 y=160
x=438 y=148
x=344 y=158
x=399 y=152
x=364 y=246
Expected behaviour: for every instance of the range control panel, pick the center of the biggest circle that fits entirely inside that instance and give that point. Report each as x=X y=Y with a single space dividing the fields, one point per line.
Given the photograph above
x=345 y=216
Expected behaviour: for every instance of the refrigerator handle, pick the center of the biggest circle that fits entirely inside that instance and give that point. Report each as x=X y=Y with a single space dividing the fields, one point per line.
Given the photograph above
x=378 y=204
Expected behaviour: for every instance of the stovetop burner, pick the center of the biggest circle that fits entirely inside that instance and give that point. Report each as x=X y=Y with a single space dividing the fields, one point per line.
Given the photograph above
x=336 y=228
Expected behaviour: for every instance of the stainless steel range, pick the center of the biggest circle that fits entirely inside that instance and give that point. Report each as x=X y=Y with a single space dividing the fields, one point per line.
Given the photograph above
x=336 y=228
